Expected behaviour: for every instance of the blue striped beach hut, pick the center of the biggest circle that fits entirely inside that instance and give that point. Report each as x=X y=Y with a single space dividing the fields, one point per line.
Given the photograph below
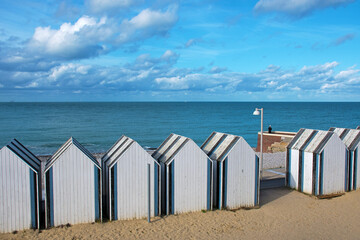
x=185 y=176
x=19 y=188
x=351 y=139
x=316 y=164
x=125 y=181
x=73 y=186
x=236 y=181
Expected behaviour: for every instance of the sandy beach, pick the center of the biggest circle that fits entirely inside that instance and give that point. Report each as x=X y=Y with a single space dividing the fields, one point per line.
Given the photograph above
x=283 y=214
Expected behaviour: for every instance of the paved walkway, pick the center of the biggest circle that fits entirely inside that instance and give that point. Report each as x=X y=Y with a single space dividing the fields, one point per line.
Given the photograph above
x=273 y=178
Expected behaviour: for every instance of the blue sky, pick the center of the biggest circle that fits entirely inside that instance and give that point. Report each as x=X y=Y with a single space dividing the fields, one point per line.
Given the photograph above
x=137 y=50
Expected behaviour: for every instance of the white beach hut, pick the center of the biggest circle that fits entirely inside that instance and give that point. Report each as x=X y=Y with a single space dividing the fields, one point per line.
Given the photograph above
x=125 y=181
x=19 y=188
x=185 y=176
x=315 y=163
x=236 y=181
x=73 y=186
x=351 y=139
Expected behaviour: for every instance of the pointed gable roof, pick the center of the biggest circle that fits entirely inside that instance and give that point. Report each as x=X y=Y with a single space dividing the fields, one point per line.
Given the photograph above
x=66 y=145
x=301 y=139
x=319 y=141
x=117 y=150
x=350 y=137
x=218 y=145
x=310 y=140
x=23 y=153
x=169 y=148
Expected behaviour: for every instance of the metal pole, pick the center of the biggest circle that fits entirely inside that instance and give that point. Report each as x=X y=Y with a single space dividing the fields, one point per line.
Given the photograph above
x=148 y=168
x=261 y=143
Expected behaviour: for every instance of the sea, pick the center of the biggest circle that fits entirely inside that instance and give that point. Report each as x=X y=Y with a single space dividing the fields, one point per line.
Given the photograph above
x=44 y=127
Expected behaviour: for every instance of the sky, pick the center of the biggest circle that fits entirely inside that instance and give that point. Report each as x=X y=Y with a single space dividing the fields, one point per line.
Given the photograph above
x=168 y=50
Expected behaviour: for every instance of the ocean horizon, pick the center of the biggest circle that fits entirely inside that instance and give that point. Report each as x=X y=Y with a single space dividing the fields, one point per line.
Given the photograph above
x=44 y=126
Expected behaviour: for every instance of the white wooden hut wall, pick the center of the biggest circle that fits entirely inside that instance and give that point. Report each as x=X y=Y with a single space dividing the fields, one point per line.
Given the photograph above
x=292 y=159
x=73 y=186
x=308 y=181
x=334 y=168
x=351 y=139
x=128 y=193
x=191 y=177
x=185 y=176
x=235 y=173
x=19 y=188
x=316 y=163
x=242 y=176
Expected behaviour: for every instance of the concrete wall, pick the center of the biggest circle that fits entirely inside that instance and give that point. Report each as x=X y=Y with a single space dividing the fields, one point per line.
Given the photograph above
x=275 y=141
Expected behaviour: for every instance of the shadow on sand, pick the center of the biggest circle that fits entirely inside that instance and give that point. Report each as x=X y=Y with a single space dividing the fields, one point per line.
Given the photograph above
x=272 y=194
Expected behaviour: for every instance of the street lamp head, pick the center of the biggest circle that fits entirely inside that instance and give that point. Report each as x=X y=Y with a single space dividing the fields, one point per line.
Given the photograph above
x=256 y=112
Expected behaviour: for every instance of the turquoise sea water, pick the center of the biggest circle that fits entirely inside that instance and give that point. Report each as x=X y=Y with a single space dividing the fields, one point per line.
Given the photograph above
x=44 y=127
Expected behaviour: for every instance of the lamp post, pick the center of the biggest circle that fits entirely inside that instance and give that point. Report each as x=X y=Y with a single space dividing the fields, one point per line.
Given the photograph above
x=257 y=113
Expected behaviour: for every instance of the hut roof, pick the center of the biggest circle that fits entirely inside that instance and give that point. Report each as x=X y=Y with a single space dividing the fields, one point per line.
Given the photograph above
x=66 y=145
x=118 y=149
x=169 y=148
x=341 y=132
x=301 y=139
x=218 y=145
x=350 y=137
x=310 y=140
x=318 y=141
x=22 y=152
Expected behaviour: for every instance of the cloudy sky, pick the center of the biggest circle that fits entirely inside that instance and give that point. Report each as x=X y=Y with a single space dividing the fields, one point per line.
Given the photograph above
x=167 y=50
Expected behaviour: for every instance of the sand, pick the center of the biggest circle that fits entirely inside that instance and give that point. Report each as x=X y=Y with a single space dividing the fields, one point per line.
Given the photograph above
x=283 y=214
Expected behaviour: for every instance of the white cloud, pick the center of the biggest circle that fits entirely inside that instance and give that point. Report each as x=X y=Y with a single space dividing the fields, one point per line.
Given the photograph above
x=282 y=86
x=330 y=85
x=296 y=8
x=150 y=74
x=77 y=40
x=319 y=69
x=148 y=23
x=30 y=85
x=172 y=83
x=347 y=73
x=169 y=55
x=272 y=83
x=217 y=69
x=296 y=89
x=89 y=36
x=59 y=71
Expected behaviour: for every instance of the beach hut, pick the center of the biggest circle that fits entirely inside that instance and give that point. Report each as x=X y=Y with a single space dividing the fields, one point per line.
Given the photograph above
x=315 y=163
x=185 y=176
x=125 y=181
x=351 y=139
x=19 y=188
x=235 y=171
x=73 y=186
